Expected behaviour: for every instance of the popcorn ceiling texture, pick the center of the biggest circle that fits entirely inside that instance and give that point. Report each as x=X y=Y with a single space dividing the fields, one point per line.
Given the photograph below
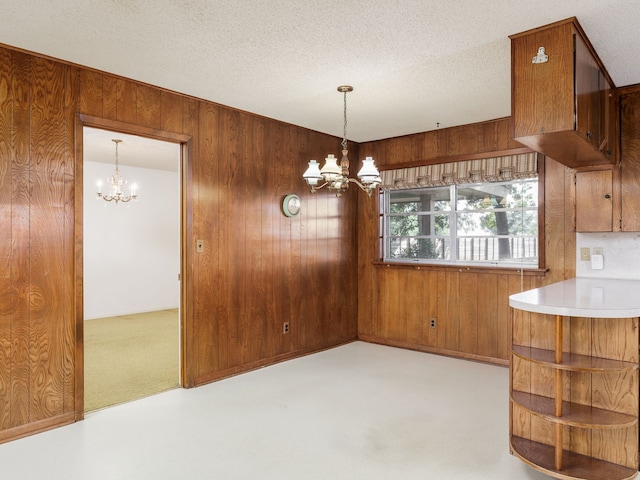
x=413 y=63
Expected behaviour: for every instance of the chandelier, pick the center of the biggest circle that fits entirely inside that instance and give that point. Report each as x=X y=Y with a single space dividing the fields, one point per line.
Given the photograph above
x=116 y=182
x=336 y=177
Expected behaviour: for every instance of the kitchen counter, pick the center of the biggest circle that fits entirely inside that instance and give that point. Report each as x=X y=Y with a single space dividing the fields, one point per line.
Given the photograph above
x=574 y=363
x=583 y=297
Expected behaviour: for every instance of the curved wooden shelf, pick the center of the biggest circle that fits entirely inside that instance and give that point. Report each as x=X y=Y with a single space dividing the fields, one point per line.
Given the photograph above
x=571 y=361
x=573 y=414
x=575 y=466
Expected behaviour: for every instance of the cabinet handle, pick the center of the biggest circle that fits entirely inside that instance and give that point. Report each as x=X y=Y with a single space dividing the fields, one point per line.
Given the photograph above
x=589 y=134
x=607 y=196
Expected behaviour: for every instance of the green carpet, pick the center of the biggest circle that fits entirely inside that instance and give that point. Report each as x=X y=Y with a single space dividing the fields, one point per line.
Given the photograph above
x=130 y=357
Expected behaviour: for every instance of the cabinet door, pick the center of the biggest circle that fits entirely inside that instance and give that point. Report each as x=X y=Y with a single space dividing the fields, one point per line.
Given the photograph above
x=594 y=201
x=543 y=98
x=607 y=123
x=630 y=161
x=588 y=100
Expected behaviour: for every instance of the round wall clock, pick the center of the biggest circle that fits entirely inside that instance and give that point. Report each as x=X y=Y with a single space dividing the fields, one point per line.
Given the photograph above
x=291 y=205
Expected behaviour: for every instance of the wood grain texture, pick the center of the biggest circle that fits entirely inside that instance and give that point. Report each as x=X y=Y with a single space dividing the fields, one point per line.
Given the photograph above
x=109 y=97
x=490 y=334
x=630 y=157
x=91 y=93
x=19 y=301
x=543 y=94
x=148 y=105
x=315 y=270
x=205 y=323
x=72 y=346
x=470 y=326
x=47 y=349
x=594 y=201
x=77 y=389
x=6 y=233
x=258 y=269
x=562 y=107
x=448 y=309
x=171 y=112
x=599 y=379
x=451 y=144
x=126 y=98
x=474 y=306
x=559 y=242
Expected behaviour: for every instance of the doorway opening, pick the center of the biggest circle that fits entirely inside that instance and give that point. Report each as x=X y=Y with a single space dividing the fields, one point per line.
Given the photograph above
x=131 y=268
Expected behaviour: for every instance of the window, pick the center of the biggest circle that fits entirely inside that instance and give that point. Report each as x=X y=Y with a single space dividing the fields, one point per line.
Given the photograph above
x=489 y=223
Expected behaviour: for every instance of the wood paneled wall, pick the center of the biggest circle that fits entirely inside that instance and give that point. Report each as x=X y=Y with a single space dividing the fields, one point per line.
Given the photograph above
x=37 y=327
x=259 y=268
x=470 y=305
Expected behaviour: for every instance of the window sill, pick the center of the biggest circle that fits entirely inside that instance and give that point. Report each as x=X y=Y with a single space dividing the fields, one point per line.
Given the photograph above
x=463 y=268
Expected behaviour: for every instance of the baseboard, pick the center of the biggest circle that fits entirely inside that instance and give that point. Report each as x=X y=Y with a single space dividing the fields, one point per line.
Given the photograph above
x=247 y=367
x=438 y=351
x=36 y=427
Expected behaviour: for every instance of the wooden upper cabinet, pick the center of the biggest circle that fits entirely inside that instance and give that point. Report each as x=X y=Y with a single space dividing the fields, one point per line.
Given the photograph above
x=561 y=107
x=630 y=161
x=594 y=211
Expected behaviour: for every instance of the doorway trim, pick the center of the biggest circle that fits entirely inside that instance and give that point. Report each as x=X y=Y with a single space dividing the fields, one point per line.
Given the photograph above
x=186 y=241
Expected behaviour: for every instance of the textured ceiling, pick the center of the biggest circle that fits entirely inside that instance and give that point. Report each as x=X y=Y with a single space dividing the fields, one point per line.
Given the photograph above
x=413 y=63
x=133 y=151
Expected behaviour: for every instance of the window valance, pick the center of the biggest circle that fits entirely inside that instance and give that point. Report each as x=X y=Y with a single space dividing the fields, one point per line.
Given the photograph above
x=493 y=169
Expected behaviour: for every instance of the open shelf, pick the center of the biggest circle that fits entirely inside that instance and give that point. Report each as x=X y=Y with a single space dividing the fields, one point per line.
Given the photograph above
x=564 y=439
x=573 y=414
x=541 y=457
x=571 y=361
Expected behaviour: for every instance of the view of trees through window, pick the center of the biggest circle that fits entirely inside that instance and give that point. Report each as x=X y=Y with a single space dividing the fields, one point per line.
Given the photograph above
x=487 y=223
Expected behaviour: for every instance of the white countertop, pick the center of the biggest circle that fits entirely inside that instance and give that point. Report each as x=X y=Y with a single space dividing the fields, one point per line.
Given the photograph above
x=583 y=297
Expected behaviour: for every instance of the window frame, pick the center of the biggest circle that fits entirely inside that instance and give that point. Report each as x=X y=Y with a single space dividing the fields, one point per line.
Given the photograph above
x=451 y=263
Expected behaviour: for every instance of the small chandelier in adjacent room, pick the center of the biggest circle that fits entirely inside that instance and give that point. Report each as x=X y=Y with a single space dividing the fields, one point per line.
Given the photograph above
x=116 y=182
x=336 y=177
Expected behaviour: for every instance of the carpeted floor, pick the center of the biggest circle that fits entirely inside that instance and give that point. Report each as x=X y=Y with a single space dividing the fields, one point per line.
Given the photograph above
x=130 y=357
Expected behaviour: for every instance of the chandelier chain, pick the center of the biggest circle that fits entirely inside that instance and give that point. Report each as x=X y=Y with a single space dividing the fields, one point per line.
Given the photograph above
x=344 y=135
x=117 y=162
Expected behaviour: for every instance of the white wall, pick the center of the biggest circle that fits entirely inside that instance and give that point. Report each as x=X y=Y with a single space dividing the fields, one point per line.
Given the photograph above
x=621 y=253
x=131 y=251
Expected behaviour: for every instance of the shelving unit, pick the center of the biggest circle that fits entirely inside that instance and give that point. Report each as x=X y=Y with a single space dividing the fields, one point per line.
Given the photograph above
x=574 y=387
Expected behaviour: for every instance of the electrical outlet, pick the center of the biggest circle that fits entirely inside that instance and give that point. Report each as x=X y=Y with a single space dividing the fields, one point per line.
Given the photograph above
x=432 y=323
x=597 y=250
x=285 y=328
x=199 y=246
x=585 y=254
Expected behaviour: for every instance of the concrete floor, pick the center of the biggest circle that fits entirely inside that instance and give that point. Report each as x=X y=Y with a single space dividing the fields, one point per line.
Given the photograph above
x=359 y=411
